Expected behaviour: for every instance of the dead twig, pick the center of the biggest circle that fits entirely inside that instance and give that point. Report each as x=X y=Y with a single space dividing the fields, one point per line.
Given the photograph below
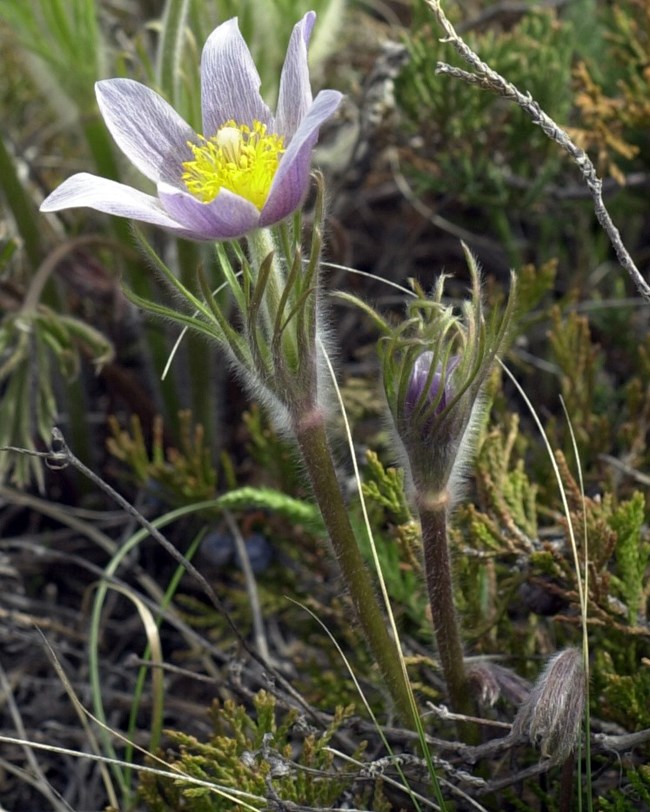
x=484 y=77
x=622 y=742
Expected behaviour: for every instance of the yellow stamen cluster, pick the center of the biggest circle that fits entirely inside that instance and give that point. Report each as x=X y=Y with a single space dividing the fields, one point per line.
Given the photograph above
x=239 y=158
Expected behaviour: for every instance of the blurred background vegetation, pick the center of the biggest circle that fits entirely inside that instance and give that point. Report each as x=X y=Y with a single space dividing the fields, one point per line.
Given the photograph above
x=415 y=162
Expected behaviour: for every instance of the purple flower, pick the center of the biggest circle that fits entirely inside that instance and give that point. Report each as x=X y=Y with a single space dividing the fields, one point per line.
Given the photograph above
x=418 y=380
x=248 y=169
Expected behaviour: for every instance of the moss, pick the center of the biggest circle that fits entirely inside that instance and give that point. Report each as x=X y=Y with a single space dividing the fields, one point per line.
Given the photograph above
x=256 y=755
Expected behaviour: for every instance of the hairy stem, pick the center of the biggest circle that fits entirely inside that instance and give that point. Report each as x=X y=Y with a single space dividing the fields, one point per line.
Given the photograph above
x=314 y=447
x=261 y=243
x=566 y=799
x=437 y=564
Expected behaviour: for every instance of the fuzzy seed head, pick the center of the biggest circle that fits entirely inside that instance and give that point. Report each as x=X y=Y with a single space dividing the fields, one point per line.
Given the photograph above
x=552 y=713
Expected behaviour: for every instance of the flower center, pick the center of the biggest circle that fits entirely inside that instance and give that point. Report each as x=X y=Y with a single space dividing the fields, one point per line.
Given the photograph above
x=242 y=159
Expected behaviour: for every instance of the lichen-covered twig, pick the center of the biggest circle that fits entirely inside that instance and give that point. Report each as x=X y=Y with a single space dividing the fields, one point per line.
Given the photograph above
x=483 y=76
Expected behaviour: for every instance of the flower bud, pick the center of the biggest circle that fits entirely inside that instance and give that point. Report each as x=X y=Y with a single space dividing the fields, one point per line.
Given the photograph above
x=552 y=713
x=434 y=366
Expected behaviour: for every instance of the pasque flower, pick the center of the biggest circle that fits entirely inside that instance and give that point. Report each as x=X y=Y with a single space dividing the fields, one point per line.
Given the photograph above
x=248 y=169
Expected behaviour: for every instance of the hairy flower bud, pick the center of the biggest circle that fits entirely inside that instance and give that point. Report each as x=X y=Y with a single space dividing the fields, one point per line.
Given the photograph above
x=552 y=713
x=434 y=366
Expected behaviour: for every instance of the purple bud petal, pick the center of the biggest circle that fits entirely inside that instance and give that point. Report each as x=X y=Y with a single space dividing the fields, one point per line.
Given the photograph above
x=418 y=381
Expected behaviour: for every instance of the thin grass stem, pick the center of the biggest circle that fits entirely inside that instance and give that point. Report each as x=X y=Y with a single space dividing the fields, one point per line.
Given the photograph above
x=583 y=612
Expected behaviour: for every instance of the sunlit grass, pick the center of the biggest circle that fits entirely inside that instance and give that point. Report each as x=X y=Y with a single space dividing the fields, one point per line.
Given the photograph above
x=581 y=569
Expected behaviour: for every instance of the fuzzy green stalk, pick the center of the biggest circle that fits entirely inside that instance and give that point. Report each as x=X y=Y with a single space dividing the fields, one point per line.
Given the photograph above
x=261 y=245
x=437 y=565
x=314 y=447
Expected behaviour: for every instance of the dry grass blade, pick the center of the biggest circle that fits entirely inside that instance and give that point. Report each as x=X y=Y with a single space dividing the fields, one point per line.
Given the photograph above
x=83 y=718
x=37 y=777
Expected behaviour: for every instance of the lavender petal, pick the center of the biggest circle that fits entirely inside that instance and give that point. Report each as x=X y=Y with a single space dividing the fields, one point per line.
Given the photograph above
x=110 y=197
x=230 y=83
x=228 y=216
x=292 y=178
x=148 y=130
x=295 y=98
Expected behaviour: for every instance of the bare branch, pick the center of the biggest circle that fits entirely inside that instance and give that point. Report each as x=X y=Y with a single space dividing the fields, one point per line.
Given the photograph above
x=625 y=741
x=488 y=79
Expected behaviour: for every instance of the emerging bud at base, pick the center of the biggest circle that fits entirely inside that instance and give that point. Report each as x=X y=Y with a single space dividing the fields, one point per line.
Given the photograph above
x=491 y=682
x=552 y=713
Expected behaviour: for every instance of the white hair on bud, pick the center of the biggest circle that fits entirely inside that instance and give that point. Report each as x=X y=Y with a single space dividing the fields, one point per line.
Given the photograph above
x=465 y=453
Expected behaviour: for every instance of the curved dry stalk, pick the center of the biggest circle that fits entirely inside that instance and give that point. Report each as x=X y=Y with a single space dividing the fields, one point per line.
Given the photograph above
x=483 y=76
